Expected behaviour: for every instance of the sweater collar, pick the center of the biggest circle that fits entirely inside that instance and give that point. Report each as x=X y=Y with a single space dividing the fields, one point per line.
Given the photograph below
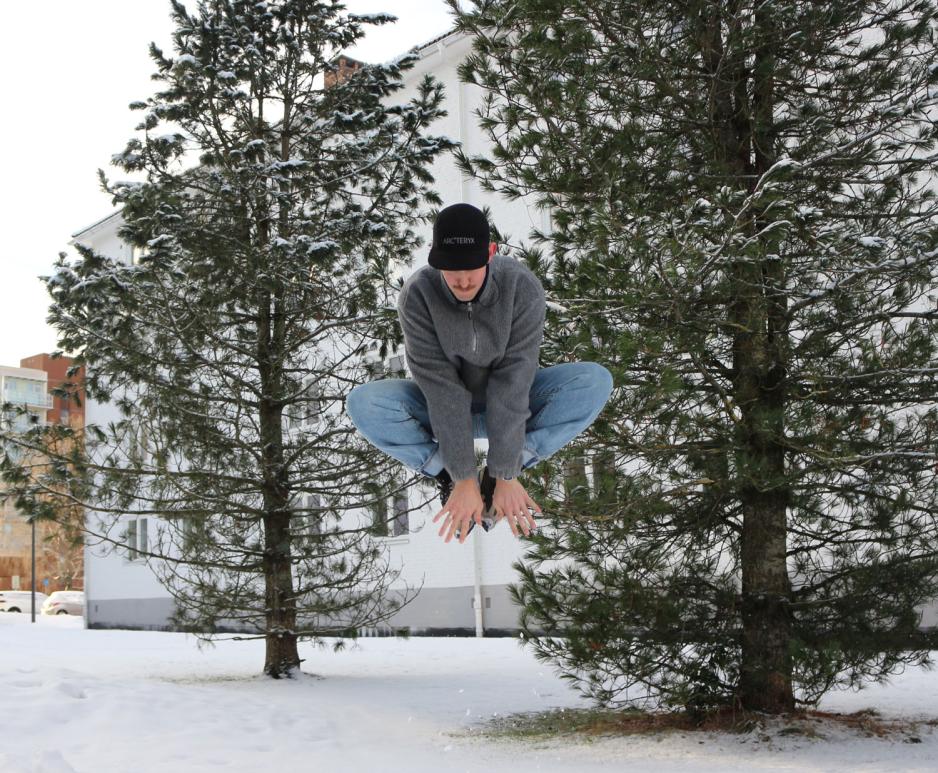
x=487 y=294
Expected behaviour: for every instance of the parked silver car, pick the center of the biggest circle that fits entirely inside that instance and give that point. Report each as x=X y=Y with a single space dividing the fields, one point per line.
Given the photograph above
x=65 y=602
x=20 y=600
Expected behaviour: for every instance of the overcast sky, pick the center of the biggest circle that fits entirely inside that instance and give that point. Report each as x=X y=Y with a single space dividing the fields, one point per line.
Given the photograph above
x=68 y=70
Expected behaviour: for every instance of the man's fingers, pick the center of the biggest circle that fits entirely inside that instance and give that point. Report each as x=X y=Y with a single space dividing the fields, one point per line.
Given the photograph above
x=439 y=515
x=512 y=521
x=476 y=516
x=459 y=523
x=523 y=524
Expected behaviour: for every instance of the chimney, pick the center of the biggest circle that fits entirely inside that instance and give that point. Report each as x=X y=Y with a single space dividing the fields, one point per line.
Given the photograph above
x=343 y=67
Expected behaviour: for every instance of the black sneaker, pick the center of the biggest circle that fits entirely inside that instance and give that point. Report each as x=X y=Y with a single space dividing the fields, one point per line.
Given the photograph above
x=444 y=485
x=487 y=488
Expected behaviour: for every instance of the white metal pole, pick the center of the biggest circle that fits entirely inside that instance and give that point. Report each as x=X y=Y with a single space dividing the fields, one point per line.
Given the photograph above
x=477 y=581
x=33 y=550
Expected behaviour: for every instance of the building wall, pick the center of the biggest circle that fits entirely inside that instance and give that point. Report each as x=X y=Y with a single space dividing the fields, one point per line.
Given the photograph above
x=24 y=387
x=60 y=554
x=63 y=411
x=58 y=557
x=119 y=591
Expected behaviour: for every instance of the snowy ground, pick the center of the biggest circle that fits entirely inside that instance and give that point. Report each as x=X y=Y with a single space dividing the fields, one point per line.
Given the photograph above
x=122 y=701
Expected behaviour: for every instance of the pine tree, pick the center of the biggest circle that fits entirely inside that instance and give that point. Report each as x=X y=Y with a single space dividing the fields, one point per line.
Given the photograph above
x=274 y=211
x=745 y=230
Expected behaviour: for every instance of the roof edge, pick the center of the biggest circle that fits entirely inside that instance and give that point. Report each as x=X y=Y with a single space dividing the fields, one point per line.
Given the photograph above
x=452 y=32
x=96 y=223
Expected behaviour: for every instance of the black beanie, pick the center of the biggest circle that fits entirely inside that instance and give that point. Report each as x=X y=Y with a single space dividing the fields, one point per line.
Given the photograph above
x=460 y=239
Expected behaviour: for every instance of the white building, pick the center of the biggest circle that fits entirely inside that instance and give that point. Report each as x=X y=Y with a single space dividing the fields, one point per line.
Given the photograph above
x=464 y=587
x=25 y=388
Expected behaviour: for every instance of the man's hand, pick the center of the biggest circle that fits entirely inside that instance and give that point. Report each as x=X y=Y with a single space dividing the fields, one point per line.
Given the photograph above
x=464 y=505
x=511 y=501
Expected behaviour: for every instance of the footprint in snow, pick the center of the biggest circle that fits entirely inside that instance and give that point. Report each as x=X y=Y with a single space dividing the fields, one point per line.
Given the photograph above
x=52 y=762
x=71 y=690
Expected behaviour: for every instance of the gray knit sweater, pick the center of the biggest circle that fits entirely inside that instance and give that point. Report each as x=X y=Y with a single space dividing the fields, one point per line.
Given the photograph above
x=480 y=355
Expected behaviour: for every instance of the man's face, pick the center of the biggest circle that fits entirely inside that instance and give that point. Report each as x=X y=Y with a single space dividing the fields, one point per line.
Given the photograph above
x=465 y=284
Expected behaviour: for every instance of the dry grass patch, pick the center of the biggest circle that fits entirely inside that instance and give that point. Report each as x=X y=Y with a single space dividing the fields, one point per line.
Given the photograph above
x=590 y=723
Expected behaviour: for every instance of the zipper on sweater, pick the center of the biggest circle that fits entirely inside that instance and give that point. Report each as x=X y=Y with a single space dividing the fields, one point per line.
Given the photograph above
x=473 y=324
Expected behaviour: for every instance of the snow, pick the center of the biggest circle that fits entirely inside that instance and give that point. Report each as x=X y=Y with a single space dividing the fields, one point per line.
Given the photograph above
x=557 y=307
x=75 y=700
x=373 y=17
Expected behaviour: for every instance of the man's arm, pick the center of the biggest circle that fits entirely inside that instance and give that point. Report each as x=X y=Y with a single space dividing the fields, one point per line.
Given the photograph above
x=509 y=386
x=448 y=400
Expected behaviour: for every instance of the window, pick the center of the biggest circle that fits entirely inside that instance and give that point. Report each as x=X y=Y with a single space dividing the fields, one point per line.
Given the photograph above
x=306 y=408
x=393 y=366
x=605 y=476
x=397 y=366
x=139 y=444
x=381 y=524
x=401 y=515
x=311 y=407
x=135 y=538
x=27 y=391
x=312 y=523
x=193 y=533
x=306 y=521
x=379 y=515
x=575 y=482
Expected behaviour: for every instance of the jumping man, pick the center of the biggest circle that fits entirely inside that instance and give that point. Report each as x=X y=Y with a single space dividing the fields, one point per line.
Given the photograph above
x=473 y=322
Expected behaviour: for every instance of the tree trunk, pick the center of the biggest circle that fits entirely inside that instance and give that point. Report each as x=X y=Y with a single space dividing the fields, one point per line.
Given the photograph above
x=766 y=667
x=745 y=149
x=762 y=350
x=282 y=657
x=758 y=348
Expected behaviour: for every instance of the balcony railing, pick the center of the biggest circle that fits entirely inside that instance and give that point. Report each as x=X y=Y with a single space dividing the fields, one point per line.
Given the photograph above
x=31 y=400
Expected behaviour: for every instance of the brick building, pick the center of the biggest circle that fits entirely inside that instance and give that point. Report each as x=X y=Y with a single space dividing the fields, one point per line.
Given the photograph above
x=59 y=554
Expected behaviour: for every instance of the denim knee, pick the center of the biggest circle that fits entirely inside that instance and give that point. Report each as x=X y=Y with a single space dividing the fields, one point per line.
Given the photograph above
x=601 y=378
x=597 y=393
x=357 y=402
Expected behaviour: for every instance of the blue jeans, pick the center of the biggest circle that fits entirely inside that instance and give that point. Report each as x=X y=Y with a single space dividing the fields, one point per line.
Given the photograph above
x=565 y=399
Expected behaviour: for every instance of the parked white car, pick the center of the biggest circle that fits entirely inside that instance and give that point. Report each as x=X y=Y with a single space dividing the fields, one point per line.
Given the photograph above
x=65 y=602
x=20 y=600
